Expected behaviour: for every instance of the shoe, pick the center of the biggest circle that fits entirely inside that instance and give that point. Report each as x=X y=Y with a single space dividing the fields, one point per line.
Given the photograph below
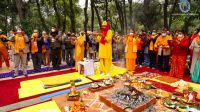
x=8 y=68
x=26 y=75
x=108 y=76
x=102 y=73
x=14 y=76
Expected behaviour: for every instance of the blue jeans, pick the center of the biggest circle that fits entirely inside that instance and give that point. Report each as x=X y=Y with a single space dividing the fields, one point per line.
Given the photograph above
x=146 y=59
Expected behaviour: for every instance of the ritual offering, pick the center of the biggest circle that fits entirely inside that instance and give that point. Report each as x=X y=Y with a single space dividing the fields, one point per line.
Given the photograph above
x=99 y=86
x=73 y=95
x=180 y=106
x=148 y=85
x=189 y=95
x=119 y=76
x=78 y=107
x=127 y=99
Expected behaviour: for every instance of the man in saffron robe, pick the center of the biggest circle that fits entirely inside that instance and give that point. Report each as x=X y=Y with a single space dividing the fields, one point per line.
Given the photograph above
x=3 y=50
x=105 y=48
x=179 y=54
x=131 y=51
x=79 y=49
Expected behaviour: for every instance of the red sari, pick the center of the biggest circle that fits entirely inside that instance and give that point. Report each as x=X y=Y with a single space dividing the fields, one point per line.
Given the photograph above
x=179 y=55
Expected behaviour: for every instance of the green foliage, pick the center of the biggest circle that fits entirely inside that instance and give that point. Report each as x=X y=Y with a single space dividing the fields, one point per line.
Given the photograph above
x=144 y=17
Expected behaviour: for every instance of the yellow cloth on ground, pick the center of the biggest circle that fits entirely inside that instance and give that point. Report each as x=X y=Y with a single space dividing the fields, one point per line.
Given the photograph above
x=35 y=86
x=60 y=79
x=113 y=72
x=49 y=106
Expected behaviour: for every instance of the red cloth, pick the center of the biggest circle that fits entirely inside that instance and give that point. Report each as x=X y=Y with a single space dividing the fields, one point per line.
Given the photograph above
x=9 y=88
x=193 y=37
x=139 y=43
x=182 y=48
x=104 y=31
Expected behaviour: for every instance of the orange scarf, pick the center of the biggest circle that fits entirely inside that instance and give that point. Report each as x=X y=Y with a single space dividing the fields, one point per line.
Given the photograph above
x=134 y=40
x=34 y=47
x=151 y=45
x=19 y=43
x=198 y=42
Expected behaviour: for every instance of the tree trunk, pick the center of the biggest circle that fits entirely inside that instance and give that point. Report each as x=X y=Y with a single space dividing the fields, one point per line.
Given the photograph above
x=125 y=20
x=120 y=14
x=72 y=16
x=165 y=14
x=65 y=15
x=57 y=14
x=92 y=15
x=146 y=12
x=130 y=13
x=86 y=16
x=20 y=10
x=98 y=17
x=40 y=16
x=106 y=9
x=173 y=9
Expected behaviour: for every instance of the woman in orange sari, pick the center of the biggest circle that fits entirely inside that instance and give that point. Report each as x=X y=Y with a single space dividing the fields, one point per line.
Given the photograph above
x=130 y=52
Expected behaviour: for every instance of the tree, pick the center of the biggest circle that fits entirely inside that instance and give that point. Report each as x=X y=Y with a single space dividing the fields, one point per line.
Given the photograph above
x=57 y=14
x=92 y=15
x=86 y=16
x=130 y=14
x=20 y=10
x=173 y=10
x=65 y=15
x=72 y=16
x=120 y=15
x=165 y=14
x=97 y=13
x=125 y=20
x=40 y=16
x=106 y=7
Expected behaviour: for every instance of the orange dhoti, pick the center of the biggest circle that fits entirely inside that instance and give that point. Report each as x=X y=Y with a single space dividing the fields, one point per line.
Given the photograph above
x=4 y=55
x=131 y=62
x=177 y=66
x=131 y=52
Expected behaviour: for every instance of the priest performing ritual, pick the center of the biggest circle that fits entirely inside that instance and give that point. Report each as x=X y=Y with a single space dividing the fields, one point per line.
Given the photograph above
x=105 y=48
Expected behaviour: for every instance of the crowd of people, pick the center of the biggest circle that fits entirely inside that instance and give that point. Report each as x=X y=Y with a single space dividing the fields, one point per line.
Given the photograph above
x=167 y=51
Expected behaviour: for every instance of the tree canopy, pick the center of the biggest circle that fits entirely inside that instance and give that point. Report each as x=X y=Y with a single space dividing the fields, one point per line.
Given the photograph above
x=67 y=15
